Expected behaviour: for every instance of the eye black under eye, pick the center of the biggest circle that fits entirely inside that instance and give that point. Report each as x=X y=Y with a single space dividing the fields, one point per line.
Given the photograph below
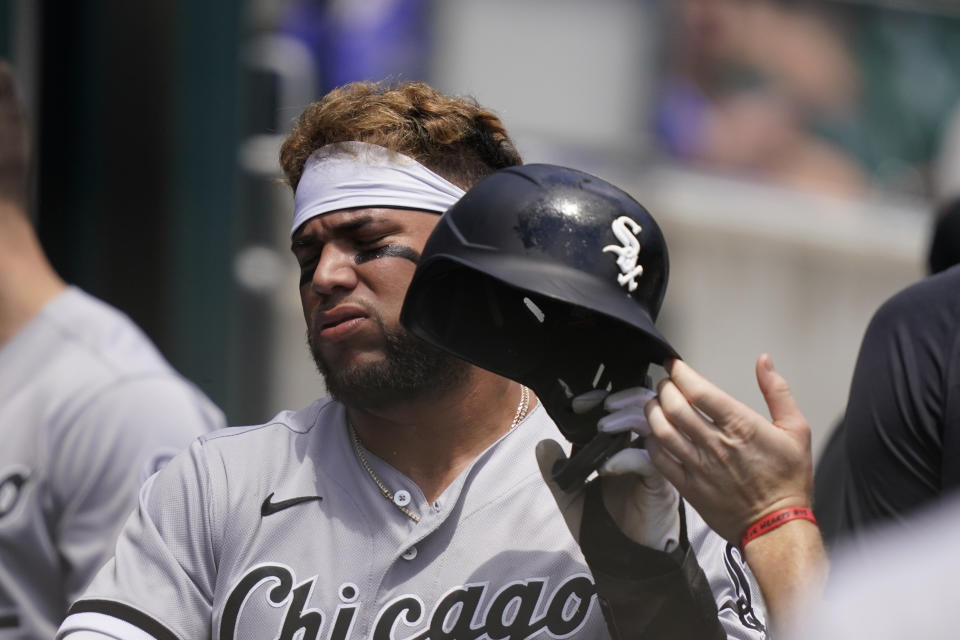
x=388 y=251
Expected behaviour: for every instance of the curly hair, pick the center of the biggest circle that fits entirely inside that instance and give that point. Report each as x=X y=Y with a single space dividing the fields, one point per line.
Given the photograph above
x=451 y=135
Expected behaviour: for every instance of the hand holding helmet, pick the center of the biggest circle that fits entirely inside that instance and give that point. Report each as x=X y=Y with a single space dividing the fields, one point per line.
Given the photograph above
x=730 y=463
x=643 y=504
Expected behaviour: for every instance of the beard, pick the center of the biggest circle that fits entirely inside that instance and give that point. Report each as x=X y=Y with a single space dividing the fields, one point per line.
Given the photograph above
x=410 y=369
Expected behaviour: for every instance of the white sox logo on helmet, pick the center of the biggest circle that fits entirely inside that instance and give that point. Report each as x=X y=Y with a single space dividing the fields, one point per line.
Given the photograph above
x=626 y=230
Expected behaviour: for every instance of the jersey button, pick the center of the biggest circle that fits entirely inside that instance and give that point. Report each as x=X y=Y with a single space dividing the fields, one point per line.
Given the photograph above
x=401 y=498
x=409 y=554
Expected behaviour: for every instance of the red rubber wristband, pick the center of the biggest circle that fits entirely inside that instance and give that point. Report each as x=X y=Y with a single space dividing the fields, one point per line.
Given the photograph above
x=773 y=520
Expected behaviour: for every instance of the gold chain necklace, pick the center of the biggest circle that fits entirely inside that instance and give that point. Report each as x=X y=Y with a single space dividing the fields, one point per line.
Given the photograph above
x=400 y=504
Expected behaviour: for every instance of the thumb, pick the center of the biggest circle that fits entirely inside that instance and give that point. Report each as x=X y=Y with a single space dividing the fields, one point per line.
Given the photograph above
x=636 y=462
x=630 y=460
x=549 y=452
x=784 y=411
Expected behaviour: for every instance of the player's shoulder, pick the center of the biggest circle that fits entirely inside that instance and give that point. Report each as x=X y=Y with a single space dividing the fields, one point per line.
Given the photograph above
x=290 y=428
x=938 y=290
x=240 y=465
x=927 y=310
x=120 y=366
x=79 y=345
x=80 y=366
x=105 y=336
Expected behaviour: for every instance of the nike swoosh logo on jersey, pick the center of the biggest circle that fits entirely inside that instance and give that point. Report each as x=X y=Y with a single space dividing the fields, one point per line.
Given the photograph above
x=269 y=508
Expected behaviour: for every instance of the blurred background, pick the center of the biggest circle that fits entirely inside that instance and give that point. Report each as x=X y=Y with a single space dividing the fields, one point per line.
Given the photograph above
x=795 y=152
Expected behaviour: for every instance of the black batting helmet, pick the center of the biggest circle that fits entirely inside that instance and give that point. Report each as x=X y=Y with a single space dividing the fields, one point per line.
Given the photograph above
x=549 y=276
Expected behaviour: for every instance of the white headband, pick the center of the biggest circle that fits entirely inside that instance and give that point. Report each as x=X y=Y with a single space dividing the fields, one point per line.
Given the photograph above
x=345 y=175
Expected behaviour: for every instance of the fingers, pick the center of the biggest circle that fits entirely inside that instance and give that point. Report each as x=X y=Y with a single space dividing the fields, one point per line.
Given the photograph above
x=626 y=409
x=681 y=413
x=630 y=419
x=585 y=402
x=703 y=394
x=633 y=461
x=668 y=416
x=666 y=464
x=633 y=397
x=627 y=412
x=776 y=392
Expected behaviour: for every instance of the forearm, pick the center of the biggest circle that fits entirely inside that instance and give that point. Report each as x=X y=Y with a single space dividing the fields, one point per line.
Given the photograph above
x=790 y=565
x=675 y=604
x=645 y=593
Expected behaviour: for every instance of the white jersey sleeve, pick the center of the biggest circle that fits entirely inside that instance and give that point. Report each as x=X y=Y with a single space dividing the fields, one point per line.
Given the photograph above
x=98 y=463
x=164 y=567
x=88 y=410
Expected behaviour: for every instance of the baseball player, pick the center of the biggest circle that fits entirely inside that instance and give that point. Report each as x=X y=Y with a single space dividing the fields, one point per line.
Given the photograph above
x=88 y=410
x=409 y=504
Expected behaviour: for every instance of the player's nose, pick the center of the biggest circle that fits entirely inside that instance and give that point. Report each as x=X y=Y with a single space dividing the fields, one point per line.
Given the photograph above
x=336 y=269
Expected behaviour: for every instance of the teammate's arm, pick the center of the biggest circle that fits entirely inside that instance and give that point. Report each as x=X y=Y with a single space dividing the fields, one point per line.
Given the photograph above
x=734 y=466
x=104 y=453
x=161 y=579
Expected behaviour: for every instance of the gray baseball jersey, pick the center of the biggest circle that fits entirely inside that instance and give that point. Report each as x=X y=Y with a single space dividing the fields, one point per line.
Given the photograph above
x=88 y=410
x=277 y=531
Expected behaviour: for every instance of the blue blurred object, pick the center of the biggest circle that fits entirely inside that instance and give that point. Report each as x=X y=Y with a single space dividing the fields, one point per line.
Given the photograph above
x=368 y=40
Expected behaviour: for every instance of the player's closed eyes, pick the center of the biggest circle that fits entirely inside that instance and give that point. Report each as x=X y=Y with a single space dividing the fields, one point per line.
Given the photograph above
x=370 y=242
x=367 y=249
